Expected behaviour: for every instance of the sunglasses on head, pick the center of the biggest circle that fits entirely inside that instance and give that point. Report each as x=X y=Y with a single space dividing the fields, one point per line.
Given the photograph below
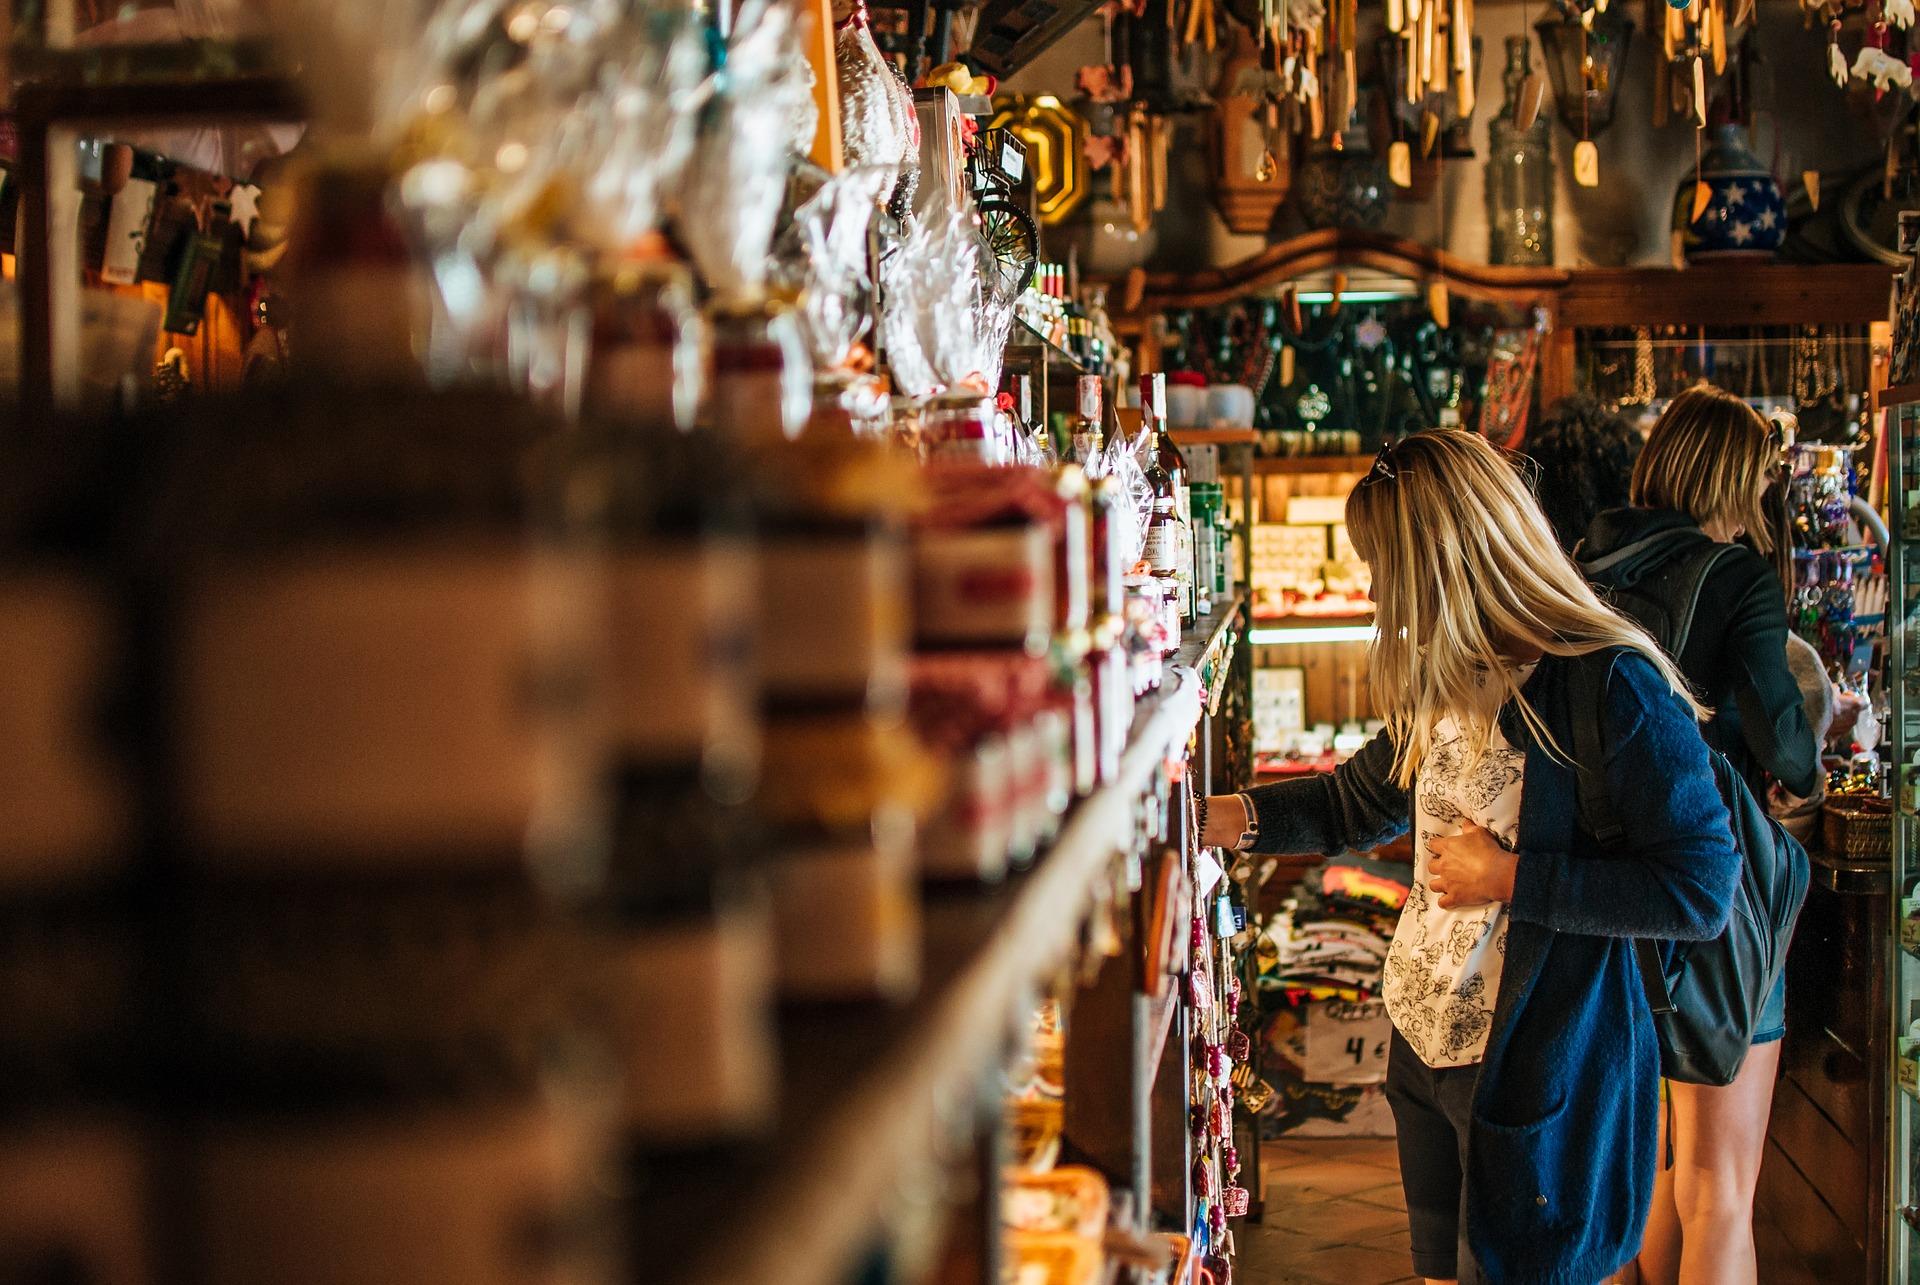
x=1386 y=465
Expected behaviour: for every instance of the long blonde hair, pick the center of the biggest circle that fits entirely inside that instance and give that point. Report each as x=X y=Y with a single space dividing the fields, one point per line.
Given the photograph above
x=1707 y=457
x=1463 y=563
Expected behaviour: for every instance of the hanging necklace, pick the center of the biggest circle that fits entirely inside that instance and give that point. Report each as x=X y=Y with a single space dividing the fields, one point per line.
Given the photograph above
x=1643 y=391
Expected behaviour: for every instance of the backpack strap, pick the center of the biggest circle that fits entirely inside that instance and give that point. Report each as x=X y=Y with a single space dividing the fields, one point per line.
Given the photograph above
x=1587 y=702
x=1690 y=578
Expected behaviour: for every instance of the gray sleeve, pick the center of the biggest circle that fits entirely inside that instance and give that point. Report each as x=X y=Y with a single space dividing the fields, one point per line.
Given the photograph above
x=1357 y=806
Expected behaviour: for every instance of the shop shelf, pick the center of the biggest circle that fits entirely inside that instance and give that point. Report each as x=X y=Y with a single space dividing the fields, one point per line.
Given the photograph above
x=1025 y=338
x=1214 y=436
x=870 y=1091
x=1896 y=395
x=1297 y=465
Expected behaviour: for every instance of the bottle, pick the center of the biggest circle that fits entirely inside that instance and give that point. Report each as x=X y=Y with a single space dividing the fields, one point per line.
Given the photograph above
x=1162 y=548
x=1519 y=174
x=1204 y=552
x=1087 y=437
x=1169 y=461
x=684 y=911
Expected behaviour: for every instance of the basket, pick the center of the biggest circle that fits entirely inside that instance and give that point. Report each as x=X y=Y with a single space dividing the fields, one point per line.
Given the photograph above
x=1860 y=829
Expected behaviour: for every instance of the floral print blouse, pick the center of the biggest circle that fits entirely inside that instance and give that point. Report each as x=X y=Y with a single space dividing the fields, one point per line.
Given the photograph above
x=1443 y=968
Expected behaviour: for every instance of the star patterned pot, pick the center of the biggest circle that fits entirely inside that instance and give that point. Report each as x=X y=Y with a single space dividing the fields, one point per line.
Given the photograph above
x=1746 y=215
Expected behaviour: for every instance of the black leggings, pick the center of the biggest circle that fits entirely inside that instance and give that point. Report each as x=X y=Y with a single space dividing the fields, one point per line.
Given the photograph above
x=1431 y=1110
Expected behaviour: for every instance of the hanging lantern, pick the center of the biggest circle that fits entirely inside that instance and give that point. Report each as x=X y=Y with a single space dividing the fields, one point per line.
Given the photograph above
x=1586 y=58
x=1055 y=136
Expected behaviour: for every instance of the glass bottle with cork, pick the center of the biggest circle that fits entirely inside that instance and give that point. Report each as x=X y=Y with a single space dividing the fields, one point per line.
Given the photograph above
x=1169 y=463
x=1088 y=440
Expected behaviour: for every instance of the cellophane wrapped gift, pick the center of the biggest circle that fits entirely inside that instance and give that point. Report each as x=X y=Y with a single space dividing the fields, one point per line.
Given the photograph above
x=904 y=271
x=822 y=256
x=877 y=121
x=737 y=178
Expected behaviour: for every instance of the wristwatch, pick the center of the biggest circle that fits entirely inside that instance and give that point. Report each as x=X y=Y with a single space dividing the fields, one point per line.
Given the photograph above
x=1252 y=832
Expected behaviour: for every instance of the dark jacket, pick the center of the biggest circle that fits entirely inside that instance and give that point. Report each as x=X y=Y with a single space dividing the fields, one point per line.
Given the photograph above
x=1736 y=654
x=1561 y=1152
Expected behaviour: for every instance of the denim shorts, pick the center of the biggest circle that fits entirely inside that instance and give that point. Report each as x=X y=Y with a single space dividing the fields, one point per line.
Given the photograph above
x=1432 y=1110
x=1772 y=1025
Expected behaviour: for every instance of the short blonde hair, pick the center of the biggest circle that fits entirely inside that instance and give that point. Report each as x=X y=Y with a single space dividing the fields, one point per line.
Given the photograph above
x=1707 y=457
x=1464 y=564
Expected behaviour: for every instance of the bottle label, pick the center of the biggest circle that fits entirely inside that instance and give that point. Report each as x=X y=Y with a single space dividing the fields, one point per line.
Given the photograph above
x=310 y=1203
x=65 y=811
x=847 y=919
x=1163 y=548
x=680 y=643
x=705 y=984
x=338 y=708
x=842 y=604
x=993 y=585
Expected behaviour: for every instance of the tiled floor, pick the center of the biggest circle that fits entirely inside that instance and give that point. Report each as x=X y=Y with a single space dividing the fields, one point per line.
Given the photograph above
x=1334 y=1216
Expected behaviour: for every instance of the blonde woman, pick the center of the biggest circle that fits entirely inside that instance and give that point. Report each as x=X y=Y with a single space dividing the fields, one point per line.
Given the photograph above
x=1698 y=487
x=1523 y=1073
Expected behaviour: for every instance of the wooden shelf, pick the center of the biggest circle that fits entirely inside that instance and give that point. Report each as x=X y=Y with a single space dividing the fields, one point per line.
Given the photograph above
x=1298 y=465
x=1214 y=436
x=870 y=1091
x=1727 y=294
x=1896 y=395
x=1024 y=338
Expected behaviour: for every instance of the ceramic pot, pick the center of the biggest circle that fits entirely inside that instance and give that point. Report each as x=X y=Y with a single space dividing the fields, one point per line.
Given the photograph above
x=1746 y=216
x=1186 y=404
x=1108 y=242
x=1229 y=406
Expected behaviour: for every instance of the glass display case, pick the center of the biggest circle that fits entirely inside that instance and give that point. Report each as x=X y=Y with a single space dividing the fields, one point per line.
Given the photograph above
x=1903 y=505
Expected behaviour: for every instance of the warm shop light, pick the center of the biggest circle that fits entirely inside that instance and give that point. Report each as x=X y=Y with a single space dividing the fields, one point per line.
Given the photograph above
x=1356 y=296
x=1312 y=634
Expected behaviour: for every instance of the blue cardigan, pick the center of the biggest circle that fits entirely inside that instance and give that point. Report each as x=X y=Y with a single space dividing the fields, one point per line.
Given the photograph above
x=1562 y=1146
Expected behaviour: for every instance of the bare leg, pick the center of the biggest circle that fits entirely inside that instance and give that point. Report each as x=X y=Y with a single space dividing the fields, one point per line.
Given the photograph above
x=1659 y=1260
x=1720 y=1135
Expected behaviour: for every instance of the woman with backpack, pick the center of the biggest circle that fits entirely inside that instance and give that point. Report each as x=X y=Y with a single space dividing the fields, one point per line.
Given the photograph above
x=1524 y=1068
x=1672 y=561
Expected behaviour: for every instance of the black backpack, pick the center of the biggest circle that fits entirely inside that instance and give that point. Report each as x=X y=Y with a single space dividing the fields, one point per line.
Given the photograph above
x=1664 y=603
x=1708 y=997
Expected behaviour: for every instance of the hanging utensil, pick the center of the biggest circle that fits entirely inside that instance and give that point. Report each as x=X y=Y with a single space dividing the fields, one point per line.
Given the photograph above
x=1586 y=163
x=1400 y=163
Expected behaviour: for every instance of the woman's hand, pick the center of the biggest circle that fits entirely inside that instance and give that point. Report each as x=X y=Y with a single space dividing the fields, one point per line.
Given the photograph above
x=1847 y=708
x=1226 y=821
x=1470 y=868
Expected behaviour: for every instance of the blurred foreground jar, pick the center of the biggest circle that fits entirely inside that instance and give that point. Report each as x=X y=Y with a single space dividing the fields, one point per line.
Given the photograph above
x=685 y=915
x=844 y=785
x=74 y=1174
x=367 y=698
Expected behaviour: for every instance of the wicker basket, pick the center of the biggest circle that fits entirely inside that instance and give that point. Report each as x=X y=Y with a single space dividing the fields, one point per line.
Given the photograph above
x=1860 y=829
